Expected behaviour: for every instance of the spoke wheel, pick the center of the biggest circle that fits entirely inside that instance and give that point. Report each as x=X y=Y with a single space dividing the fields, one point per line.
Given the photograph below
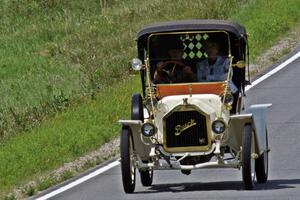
x=248 y=162
x=262 y=164
x=146 y=177
x=127 y=161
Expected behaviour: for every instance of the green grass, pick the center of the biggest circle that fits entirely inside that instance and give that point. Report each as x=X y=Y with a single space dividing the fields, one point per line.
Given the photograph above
x=66 y=136
x=54 y=53
x=266 y=21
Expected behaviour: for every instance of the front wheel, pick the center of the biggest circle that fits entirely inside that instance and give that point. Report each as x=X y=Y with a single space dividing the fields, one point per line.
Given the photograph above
x=146 y=177
x=262 y=164
x=248 y=162
x=127 y=160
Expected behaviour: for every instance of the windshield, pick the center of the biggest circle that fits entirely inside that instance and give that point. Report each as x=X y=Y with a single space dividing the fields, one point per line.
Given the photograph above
x=189 y=57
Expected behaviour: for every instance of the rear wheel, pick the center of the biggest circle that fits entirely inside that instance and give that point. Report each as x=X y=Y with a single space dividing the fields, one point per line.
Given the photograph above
x=146 y=177
x=127 y=160
x=262 y=164
x=248 y=162
x=137 y=109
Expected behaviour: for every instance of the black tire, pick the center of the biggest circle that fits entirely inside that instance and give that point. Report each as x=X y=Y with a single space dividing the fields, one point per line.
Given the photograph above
x=248 y=169
x=137 y=109
x=146 y=177
x=262 y=164
x=127 y=166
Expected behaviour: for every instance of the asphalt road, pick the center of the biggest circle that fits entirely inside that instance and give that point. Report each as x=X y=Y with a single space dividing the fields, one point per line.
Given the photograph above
x=283 y=91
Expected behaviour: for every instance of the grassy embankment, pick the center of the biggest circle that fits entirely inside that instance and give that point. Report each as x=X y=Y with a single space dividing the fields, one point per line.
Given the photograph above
x=267 y=21
x=84 y=58
x=54 y=51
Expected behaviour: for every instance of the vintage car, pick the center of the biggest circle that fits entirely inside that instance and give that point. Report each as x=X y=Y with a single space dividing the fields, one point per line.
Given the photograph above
x=191 y=114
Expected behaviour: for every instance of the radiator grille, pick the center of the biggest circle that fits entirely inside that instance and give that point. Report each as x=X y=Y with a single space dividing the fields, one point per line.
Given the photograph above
x=186 y=129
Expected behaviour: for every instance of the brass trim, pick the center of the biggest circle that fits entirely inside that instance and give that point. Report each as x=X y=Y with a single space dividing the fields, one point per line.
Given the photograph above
x=184 y=108
x=240 y=64
x=180 y=128
x=191 y=89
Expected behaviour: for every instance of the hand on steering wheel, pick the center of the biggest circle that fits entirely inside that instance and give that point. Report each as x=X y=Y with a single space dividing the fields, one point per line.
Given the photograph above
x=171 y=69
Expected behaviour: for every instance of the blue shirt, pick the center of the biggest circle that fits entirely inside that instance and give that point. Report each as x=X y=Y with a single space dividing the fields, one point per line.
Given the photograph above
x=216 y=72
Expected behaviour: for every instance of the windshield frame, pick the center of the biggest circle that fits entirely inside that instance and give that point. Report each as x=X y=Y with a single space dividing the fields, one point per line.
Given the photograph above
x=149 y=51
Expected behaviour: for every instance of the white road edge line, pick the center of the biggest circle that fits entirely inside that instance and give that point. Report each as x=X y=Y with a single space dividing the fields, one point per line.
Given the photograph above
x=79 y=181
x=273 y=71
x=116 y=163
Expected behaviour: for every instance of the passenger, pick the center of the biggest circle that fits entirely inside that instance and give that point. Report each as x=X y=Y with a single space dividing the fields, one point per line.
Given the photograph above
x=174 y=70
x=215 y=67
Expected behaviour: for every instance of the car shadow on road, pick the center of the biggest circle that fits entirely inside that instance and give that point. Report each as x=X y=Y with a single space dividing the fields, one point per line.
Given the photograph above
x=278 y=184
x=220 y=186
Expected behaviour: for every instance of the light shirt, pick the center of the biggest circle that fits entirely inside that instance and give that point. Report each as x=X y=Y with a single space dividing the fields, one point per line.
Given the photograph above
x=216 y=72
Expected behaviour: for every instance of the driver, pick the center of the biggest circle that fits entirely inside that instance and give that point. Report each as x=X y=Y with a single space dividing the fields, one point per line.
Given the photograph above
x=174 y=70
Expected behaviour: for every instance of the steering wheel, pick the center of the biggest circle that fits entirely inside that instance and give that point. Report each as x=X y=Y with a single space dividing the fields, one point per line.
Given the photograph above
x=171 y=70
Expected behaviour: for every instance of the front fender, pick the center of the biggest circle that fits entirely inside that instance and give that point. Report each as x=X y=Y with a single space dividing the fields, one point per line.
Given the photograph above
x=236 y=130
x=258 y=112
x=255 y=115
x=140 y=148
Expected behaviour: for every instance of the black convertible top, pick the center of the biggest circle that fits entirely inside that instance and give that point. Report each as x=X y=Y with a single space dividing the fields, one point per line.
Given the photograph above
x=194 y=25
